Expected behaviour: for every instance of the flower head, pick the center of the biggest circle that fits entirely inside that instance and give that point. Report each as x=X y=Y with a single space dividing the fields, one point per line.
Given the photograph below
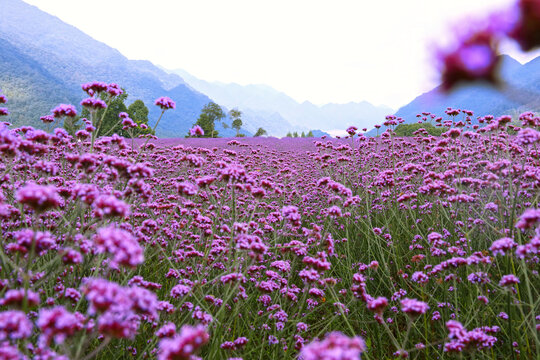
x=165 y=103
x=336 y=346
x=39 y=197
x=120 y=244
x=183 y=345
x=526 y=30
x=196 y=131
x=64 y=110
x=475 y=58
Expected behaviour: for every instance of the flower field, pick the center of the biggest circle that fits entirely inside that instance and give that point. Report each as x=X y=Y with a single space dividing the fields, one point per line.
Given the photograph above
x=259 y=248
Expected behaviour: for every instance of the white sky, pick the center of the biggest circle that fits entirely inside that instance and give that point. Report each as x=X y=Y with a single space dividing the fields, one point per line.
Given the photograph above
x=317 y=50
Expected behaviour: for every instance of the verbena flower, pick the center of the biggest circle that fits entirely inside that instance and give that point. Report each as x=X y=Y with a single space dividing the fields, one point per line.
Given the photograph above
x=165 y=103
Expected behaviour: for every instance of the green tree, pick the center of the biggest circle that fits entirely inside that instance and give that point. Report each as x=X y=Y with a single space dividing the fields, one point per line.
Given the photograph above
x=303 y=134
x=72 y=125
x=409 y=129
x=288 y=134
x=295 y=134
x=260 y=132
x=210 y=113
x=235 y=115
x=138 y=112
x=110 y=123
x=310 y=134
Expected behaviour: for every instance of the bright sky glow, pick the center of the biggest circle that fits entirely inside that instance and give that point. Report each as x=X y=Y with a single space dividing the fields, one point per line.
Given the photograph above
x=317 y=50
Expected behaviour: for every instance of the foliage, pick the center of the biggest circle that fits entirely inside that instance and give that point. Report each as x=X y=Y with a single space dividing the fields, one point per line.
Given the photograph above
x=138 y=112
x=210 y=113
x=409 y=129
x=109 y=122
x=72 y=125
x=32 y=91
x=236 y=115
x=260 y=132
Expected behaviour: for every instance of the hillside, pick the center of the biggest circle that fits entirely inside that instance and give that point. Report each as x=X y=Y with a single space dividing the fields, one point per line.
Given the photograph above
x=31 y=90
x=64 y=56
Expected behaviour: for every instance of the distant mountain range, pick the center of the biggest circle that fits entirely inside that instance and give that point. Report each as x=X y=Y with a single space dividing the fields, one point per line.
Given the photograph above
x=279 y=113
x=43 y=61
x=520 y=91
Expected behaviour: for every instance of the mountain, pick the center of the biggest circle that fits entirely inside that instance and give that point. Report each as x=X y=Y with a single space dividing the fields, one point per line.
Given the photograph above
x=32 y=90
x=520 y=92
x=267 y=107
x=50 y=55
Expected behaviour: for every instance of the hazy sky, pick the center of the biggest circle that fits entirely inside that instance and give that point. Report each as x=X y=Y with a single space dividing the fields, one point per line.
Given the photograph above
x=317 y=50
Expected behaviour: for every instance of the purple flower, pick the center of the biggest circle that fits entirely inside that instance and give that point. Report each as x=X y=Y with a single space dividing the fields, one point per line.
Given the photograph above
x=462 y=340
x=119 y=323
x=351 y=130
x=4 y=111
x=166 y=331
x=27 y=239
x=508 y=280
x=94 y=103
x=291 y=213
x=526 y=31
x=233 y=172
x=16 y=297
x=478 y=278
x=196 y=131
x=413 y=307
x=501 y=246
x=528 y=219
x=252 y=243
x=474 y=59
x=335 y=346
x=9 y=352
x=39 y=197
x=47 y=119
x=377 y=305
x=64 y=110
x=187 y=188
x=94 y=87
x=527 y=136
x=420 y=277
x=165 y=103
x=109 y=206
x=14 y=325
x=114 y=90
x=183 y=345
x=180 y=290
x=57 y=324
x=120 y=244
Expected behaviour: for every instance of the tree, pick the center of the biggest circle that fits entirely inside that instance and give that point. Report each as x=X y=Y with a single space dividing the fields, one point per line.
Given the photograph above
x=210 y=113
x=310 y=134
x=303 y=134
x=295 y=134
x=288 y=134
x=409 y=129
x=235 y=115
x=260 y=132
x=138 y=112
x=111 y=123
x=72 y=125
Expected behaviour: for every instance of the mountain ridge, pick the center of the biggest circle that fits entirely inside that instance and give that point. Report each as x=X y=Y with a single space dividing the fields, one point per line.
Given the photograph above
x=261 y=99
x=520 y=90
x=74 y=57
